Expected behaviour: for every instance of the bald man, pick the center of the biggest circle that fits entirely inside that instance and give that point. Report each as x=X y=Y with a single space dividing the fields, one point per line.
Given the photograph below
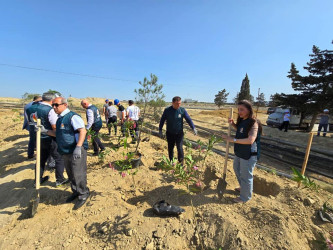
x=70 y=134
x=94 y=122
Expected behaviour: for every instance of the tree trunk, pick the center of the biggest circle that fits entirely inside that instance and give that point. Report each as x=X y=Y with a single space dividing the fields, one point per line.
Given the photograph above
x=313 y=121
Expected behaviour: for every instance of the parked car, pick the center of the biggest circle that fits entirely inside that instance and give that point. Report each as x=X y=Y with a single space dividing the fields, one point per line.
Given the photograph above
x=276 y=118
x=271 y=110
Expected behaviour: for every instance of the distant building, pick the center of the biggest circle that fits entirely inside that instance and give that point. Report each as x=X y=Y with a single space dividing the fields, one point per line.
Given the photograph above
x=190 y=101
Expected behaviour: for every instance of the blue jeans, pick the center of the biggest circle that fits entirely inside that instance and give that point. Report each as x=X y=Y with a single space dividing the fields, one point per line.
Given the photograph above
x=244 y=173
x=322 y=126
x=32 y=140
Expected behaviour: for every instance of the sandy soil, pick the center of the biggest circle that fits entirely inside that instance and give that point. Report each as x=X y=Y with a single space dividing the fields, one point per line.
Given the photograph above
x=118 y=214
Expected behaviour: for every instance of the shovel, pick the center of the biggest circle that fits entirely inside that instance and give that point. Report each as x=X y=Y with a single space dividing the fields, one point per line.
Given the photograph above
x=222 y=185
x=36 y=198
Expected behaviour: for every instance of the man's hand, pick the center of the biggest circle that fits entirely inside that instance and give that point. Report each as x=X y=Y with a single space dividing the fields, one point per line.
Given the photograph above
x=77 y=152
x=43 y=130
x=195 y=131
x=160 y=134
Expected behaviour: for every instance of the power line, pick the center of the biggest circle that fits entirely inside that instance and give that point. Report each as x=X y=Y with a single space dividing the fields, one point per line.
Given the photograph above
x=84 y=75
x=67 y=73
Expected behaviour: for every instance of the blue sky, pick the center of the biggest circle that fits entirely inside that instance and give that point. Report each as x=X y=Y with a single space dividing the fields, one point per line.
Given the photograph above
x=196 y=48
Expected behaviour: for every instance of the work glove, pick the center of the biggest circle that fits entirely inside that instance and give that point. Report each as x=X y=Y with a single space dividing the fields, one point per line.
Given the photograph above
x=160 y=134
x=77 y=152
x=195 y=131
x=43 y=130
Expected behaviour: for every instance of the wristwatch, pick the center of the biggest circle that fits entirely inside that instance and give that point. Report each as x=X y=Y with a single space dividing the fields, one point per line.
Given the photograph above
x=235 y=139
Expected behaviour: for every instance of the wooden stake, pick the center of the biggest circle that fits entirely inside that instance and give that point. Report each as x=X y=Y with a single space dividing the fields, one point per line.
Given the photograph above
x=227 y=146
x=38 y=135
x=307 y=153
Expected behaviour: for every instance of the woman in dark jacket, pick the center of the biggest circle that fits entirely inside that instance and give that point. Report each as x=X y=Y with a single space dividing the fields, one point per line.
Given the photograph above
x=246 y=148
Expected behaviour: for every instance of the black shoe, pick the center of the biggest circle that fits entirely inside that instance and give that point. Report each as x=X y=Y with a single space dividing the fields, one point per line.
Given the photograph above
x=95 y=154
x=30 y=156
x=59 y=183
x=80 y=203
x=71 y=198
x=44 y=179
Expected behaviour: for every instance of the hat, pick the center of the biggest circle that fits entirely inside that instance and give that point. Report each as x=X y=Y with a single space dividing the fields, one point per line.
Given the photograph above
x=116 y=101
x=286 y=111
x=326 y=110
x=107 y=100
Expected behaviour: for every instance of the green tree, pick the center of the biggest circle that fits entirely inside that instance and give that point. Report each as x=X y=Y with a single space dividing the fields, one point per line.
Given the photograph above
x=221 y=98
x=260 y=101
x=244 y=93
x=54 y=92
x=274 y=100
x=317 y=87
x=29 y=96
x=149 y=91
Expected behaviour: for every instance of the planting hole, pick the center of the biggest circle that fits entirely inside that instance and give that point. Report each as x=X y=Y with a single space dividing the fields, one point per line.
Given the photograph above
x=264 y=187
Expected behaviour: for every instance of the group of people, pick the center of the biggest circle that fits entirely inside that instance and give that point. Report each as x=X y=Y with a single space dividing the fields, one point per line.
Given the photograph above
x=64 y=136
x=323 y=123
x=132 y=113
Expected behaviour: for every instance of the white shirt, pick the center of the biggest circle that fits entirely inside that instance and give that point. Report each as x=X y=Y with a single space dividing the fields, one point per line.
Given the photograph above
x=111 y=111
x=286 y=117
x=90 y=115
x=133 y=112
x=52 y=116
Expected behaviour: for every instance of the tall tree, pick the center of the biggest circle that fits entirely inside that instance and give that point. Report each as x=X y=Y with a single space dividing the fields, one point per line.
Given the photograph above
x=149 y=91
x=317 y=87
x=221 y=98
x=260 y=101
x=244 y=93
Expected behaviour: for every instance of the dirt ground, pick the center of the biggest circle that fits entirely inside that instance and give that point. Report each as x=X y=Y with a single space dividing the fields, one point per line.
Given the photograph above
x=118 y=214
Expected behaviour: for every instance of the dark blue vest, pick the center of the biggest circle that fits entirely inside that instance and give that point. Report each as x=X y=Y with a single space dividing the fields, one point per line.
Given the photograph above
x=244 y=150
x=175 y=118
x=97 y=117
x=32 y=113
x=65 y=134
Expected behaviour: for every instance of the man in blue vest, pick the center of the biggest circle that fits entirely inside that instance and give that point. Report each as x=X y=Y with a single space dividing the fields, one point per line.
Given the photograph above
x=44 y=111
x=31 y=127
x=94 y=122
x=72 y=145
x=174 y=116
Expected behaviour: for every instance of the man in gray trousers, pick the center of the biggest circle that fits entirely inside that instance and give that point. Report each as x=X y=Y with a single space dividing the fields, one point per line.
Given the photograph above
x=72 y=145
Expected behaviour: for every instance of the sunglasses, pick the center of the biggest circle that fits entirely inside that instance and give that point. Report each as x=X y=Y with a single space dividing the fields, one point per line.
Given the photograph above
x=57 y=104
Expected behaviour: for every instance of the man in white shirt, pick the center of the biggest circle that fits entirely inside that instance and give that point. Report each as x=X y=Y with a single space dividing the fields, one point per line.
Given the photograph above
x=133 y=114
x=94 y=122
x=71 y=138
x=111 y=113
x=286 y=120
x=44 y=111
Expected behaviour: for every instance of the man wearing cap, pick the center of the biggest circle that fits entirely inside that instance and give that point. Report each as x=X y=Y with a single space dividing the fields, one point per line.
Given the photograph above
x=44 y=111
x=174 y=116
x=94 y=122
x=30 y=126
x=122 y=115
x=286 y=120
x=323 y=124
x=105 y=107
x=72 y=145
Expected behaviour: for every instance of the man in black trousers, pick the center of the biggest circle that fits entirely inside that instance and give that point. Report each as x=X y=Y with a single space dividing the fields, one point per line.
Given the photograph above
x=174 y=116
